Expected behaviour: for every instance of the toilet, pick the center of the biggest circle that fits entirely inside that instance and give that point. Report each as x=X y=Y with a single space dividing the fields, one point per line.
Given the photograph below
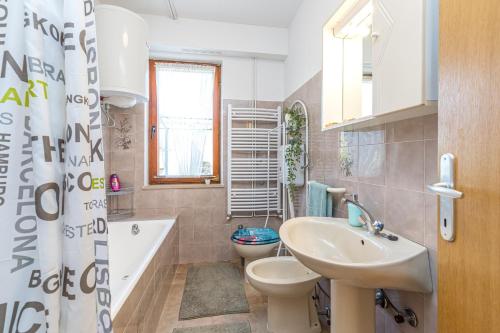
x=288 y=285
x=254 y=243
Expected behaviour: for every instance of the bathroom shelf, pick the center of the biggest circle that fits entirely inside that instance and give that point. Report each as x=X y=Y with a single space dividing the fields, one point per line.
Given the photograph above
x=123 y=191
x=120 y=203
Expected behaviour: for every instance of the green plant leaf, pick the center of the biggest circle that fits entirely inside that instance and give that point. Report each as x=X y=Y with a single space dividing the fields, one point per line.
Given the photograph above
x=294 y=121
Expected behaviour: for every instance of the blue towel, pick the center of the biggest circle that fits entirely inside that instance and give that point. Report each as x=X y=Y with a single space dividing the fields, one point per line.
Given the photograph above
x=320 y=202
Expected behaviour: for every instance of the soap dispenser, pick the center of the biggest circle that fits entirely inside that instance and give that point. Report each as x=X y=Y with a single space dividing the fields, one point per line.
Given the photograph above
x=353 y=212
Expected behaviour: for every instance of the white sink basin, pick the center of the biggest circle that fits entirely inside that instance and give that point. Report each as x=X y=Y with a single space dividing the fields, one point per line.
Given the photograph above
x=334 y=249
x=357 y=263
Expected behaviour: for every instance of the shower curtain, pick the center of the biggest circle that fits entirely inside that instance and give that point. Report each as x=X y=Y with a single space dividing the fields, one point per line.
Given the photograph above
x=53 y=230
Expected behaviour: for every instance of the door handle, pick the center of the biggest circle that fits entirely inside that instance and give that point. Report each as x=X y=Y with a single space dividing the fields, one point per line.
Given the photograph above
x=446 y=190
x=153 y=131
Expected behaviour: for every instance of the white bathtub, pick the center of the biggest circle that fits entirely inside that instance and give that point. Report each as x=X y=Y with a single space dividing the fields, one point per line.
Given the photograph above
x=129 y=255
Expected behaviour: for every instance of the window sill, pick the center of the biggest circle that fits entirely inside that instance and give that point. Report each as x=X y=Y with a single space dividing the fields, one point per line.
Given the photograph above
x=181 y=186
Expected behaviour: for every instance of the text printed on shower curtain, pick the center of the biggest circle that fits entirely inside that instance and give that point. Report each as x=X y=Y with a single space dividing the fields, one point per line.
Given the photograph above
x=53 y=231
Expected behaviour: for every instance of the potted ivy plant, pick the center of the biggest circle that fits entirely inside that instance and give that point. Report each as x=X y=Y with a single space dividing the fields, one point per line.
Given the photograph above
x=294 y=122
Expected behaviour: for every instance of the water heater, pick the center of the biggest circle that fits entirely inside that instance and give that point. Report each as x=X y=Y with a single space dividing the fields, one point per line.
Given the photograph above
x=123 y=56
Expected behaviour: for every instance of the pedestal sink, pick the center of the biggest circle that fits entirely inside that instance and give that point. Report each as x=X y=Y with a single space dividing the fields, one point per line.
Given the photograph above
x=357 y=263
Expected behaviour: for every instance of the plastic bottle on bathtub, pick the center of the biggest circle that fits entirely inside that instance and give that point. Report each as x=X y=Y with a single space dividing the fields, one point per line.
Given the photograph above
x=114 y=183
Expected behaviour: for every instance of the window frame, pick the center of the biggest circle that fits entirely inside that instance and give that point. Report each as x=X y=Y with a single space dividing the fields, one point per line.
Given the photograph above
x=154 y=178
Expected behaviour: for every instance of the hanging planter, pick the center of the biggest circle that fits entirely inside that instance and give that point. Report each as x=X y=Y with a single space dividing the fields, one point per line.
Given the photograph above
x=294 y=122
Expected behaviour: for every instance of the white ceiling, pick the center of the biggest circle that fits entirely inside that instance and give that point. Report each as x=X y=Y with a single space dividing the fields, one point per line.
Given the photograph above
x=274 y=13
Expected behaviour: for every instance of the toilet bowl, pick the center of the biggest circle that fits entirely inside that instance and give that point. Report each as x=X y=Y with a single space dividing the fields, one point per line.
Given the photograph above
x=254 y=243
x=288 y=285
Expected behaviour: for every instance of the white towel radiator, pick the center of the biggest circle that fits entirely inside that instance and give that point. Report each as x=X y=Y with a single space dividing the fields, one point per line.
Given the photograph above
x=253 y=139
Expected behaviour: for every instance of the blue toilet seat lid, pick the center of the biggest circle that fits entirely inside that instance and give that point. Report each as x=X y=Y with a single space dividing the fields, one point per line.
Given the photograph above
x=255 y=236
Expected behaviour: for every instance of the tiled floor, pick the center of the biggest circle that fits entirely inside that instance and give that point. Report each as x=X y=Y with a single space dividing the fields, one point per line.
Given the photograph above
x=169 y=318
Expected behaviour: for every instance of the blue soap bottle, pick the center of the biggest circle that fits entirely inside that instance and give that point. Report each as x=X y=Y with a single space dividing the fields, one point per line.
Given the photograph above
x=354 y=213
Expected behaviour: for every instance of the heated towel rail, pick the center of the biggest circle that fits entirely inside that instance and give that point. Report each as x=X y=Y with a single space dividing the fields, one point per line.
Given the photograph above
x=253 y=139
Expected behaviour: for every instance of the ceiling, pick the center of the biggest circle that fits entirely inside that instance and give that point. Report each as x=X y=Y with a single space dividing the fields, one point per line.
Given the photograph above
x=273 y=13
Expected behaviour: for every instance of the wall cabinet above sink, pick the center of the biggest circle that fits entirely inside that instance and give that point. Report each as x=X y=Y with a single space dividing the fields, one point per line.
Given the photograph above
x=380 y=62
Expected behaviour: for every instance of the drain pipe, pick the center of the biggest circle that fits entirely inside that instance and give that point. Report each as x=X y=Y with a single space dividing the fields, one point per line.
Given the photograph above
x=326 y=311
x=381 y=299
x=400 y=316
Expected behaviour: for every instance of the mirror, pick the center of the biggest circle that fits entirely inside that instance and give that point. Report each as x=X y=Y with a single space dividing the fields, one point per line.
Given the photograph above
x=347 y=64
x=366 y=81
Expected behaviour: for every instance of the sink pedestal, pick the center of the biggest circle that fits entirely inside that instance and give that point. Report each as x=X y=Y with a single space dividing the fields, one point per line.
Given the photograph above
x=353 y=309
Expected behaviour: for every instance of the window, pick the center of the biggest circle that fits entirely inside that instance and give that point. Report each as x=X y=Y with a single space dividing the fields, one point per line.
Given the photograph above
x=184 y=122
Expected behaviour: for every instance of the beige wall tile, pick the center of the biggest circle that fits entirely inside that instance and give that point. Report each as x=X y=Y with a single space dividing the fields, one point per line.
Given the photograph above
x=219 y=214
x=202 y=216
x=373 y=198
x=221 y=234
x=431 y=127
x=431 y=163
x=404 y=213
x=350 y=186
x=203 y=234
x=269 y=104
x=372 y=135
x=405 y=165
x=330 y=137
x=223 y=252
x=371 y=167
x=348 y=138
x=203 y=253
x=348 y=163
x=186 y=232
x=431 y=221
x=405 y=130
x=123 y=160
x=186 y=253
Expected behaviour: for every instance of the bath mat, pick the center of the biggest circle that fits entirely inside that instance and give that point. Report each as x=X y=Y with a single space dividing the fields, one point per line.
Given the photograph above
x=213 y=290
x=241 y=327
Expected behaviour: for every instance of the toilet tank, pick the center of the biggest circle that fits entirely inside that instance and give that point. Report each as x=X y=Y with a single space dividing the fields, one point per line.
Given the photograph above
x=123 y=55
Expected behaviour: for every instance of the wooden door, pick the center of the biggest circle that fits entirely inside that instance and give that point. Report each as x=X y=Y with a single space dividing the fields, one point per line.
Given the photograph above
x=469 y=128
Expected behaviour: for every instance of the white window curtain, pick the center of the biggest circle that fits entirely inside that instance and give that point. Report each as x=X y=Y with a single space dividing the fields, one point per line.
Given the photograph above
x=189 y=146
x=185 y=111
x=53 y=234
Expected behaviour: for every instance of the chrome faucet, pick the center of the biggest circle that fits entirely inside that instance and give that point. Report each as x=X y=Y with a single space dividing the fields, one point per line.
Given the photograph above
x=374 y=226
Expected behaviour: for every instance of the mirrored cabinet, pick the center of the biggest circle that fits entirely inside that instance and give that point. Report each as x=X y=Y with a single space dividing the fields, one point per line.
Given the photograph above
x=379 y=61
